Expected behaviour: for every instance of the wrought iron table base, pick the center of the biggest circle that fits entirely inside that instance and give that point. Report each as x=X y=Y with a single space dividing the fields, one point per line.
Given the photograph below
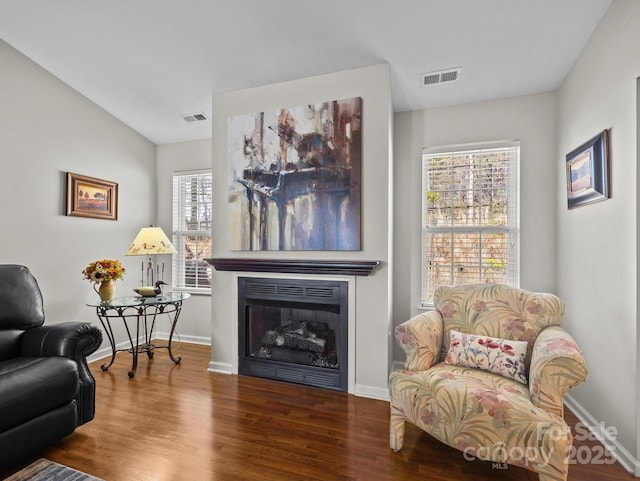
x=145 y=311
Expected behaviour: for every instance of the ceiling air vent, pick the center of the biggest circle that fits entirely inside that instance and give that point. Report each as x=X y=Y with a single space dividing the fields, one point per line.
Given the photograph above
x=440 y=77
x=197 y=117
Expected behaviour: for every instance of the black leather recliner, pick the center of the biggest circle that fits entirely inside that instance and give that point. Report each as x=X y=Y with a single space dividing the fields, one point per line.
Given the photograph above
x=46 y=388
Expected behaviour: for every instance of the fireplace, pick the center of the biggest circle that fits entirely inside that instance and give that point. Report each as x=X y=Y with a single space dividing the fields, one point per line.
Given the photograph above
x=294 y=330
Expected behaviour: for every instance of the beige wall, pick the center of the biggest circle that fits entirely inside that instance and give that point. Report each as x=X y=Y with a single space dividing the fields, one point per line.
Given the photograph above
x=373 y=303
x=195 y=319
x=598 y=244
x=47 y=129
x=530 y=119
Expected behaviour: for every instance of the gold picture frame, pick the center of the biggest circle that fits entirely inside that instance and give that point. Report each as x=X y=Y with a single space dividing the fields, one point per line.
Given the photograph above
x=91 y=197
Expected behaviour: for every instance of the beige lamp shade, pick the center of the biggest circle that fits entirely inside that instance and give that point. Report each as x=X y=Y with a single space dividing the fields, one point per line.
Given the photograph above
x=151 y=240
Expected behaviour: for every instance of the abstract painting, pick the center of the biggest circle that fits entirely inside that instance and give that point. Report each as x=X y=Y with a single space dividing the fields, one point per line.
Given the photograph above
x=294 y=178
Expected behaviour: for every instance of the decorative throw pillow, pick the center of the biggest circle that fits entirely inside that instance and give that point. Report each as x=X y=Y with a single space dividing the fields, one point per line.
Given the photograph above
x=500 y=356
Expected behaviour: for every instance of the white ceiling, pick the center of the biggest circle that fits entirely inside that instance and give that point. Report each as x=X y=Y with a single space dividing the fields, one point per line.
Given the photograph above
x=148 y=62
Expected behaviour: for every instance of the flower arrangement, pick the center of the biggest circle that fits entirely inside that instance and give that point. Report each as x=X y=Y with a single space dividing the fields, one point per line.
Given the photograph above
x=104 y=270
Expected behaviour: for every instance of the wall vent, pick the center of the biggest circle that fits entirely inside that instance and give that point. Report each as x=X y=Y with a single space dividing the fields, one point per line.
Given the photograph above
x=440 y=76
x=197 y=117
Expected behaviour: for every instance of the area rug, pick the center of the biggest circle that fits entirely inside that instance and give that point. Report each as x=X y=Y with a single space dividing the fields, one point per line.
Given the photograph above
x=45 y=470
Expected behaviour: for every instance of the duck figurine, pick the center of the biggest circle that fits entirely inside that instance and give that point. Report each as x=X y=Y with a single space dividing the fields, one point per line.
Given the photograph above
x=150 y=291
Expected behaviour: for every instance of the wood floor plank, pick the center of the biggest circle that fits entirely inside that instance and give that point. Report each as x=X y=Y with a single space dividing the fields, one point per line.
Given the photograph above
x=180 y=422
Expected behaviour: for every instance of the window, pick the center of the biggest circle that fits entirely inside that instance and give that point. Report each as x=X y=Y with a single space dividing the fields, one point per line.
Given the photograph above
x=470 y=216
x=192 y=230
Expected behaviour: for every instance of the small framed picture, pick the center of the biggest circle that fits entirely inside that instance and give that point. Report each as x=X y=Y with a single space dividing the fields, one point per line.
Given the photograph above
x=91 y=197
x=588 y=172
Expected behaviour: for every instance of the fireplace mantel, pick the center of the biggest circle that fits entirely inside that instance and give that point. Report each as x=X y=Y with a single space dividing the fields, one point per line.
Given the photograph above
x=294 y=266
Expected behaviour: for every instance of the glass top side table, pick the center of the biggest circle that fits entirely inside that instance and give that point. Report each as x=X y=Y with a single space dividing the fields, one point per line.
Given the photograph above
x=145 y=311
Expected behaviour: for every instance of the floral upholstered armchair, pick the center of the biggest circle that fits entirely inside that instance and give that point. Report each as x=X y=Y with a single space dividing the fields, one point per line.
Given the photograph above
x=486 y=373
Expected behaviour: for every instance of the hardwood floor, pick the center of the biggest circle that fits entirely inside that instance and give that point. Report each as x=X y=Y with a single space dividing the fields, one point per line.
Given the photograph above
x=180 y=422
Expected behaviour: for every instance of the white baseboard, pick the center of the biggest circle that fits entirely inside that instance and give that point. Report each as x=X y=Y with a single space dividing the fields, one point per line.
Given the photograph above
x=103 y=353
x=220 y=367
x=105 y=350
x=371 y=392
x=397 y=366
x=624 y=457
x=164 y=336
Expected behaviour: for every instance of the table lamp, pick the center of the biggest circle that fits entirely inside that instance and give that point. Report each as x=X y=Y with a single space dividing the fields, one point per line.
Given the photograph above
x=149 y=242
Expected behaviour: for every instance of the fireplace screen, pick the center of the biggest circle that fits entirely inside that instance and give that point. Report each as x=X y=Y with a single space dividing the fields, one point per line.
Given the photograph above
x=294 y=330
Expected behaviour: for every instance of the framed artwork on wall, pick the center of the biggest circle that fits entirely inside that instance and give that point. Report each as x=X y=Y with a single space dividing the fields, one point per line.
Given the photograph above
x=91 y=197
x=294 y=178
x=588 y=172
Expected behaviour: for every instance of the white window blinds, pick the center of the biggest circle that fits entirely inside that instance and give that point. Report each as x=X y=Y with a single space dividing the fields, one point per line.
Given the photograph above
x=192 y=201
x=470 y=217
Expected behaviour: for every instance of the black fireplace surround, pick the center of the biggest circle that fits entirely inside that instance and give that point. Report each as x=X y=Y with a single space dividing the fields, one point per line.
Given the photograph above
x=294 y=330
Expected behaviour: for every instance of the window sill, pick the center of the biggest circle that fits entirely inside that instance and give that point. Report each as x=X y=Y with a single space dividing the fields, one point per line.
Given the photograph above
x=193 y=292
